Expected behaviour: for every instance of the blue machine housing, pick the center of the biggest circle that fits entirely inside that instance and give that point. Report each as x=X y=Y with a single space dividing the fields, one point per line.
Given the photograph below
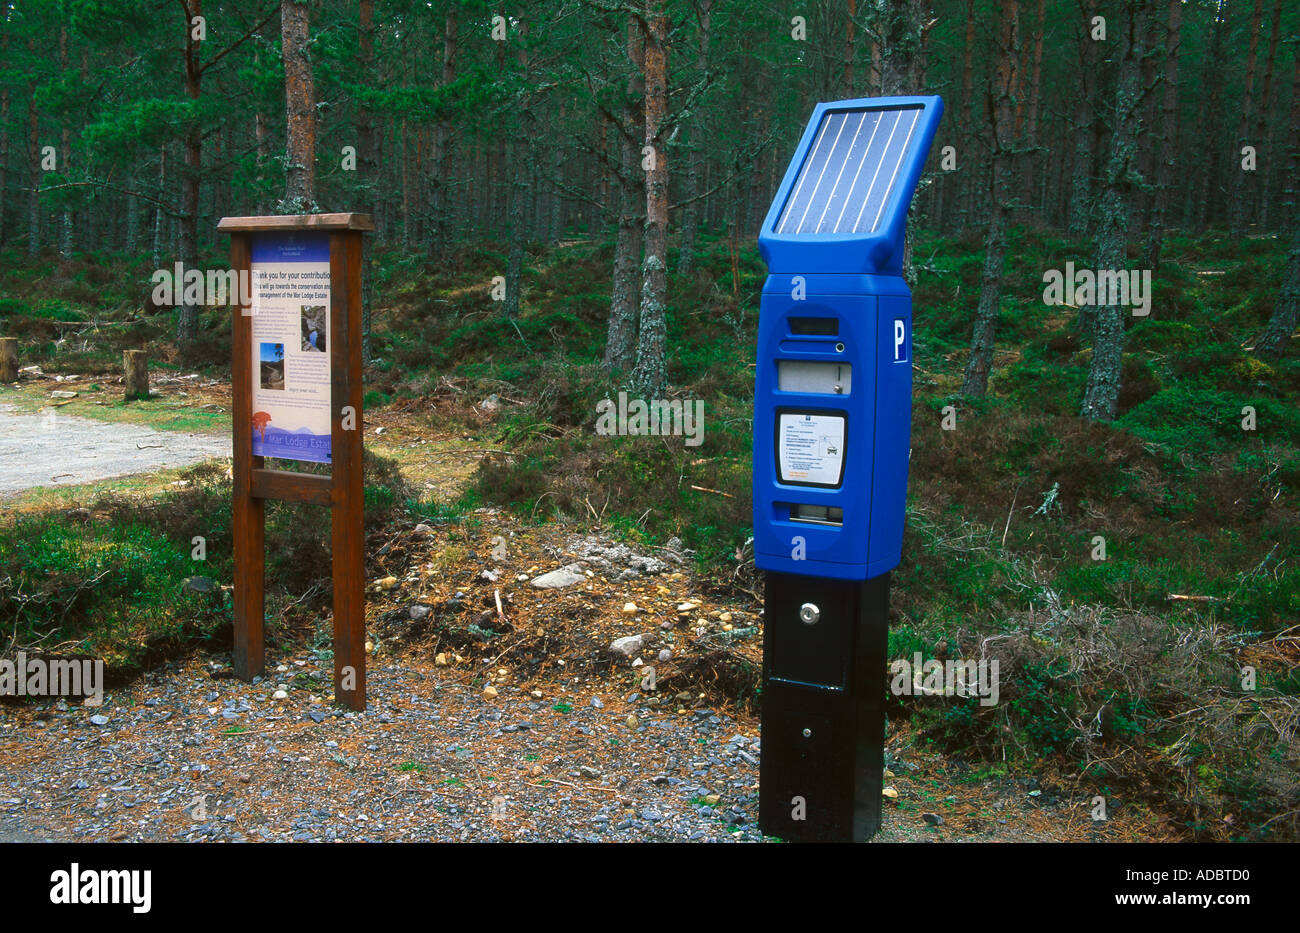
x=839 y=298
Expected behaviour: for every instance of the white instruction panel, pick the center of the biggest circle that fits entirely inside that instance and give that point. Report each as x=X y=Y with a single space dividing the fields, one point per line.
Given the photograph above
x=810 y=448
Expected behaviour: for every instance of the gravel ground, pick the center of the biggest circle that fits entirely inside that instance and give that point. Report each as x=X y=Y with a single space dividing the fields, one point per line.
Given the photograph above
x=181 y=756
x=67 y=450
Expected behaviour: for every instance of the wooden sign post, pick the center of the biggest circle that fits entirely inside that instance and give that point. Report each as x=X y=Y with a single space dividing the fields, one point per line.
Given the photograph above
x=296 y=387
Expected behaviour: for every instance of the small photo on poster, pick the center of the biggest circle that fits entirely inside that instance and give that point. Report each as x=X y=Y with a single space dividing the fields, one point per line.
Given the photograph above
x=272 y=357
x=313 y=328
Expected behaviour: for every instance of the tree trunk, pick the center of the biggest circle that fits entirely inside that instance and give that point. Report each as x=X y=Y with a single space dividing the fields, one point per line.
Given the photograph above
x=625 y=297
x=649 y=376
x=300 y=110
x=1102 y=393
x=1237 y=200
x=34 y=176
x=440 y=226
x=135 y=365
x=187 y=316
x=980 y=363
x=1030 y=160
x=1264 y=134
x=1286 y=313
x=519 y=130
x=368 y=163
x=966 y=158
x=408 y=221
x=8 y=359
x=4 y=146
x=1084 y=117
x=1211 y=117
x=901 y=61
x=1168 y=155
x=515 y=252
x=65 y=157
x=157 y=208
x=694 y=162
x=850 y=46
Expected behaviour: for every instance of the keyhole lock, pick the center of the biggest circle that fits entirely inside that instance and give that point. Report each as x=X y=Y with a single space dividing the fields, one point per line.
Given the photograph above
x=809 y=613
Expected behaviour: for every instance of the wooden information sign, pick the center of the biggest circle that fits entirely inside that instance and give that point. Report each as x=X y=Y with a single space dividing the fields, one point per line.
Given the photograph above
x=296 y=387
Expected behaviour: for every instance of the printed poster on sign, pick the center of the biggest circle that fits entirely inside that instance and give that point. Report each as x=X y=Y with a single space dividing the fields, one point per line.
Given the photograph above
x=810 y=449
x=290 y=275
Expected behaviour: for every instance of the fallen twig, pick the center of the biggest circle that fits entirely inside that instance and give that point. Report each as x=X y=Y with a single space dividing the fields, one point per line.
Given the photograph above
x=610 y=790
x=716 y=492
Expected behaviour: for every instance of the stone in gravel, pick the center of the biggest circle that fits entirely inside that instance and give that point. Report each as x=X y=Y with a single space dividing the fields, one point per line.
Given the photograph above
x=628 y=645
x=418 y=612
x=489 y=692
x=665 y=655
x=933 y=819
x=100 y=720
x=422 y=529
x=441 y=659
x=280 y=695
x=651 y=816
x=629 y=608
x=317 y=716
x=590 y=773
x=596 y=703
x=631 y=720
x=559 y=579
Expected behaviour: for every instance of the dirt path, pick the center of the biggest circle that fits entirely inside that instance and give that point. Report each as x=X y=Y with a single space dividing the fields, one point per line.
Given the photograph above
x=61 y=450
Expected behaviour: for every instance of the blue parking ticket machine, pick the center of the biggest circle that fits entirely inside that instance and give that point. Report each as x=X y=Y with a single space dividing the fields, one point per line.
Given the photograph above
x=832 y=433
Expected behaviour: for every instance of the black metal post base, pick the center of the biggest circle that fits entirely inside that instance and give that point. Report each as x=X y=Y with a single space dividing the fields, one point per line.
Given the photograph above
x=823 y=716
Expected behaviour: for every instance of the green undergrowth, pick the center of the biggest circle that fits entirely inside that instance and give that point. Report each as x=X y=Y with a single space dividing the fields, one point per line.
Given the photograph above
x=1124 y=574
x=115 y=577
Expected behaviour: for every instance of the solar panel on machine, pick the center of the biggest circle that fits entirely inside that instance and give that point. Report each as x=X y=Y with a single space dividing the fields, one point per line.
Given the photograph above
x=850 y=172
